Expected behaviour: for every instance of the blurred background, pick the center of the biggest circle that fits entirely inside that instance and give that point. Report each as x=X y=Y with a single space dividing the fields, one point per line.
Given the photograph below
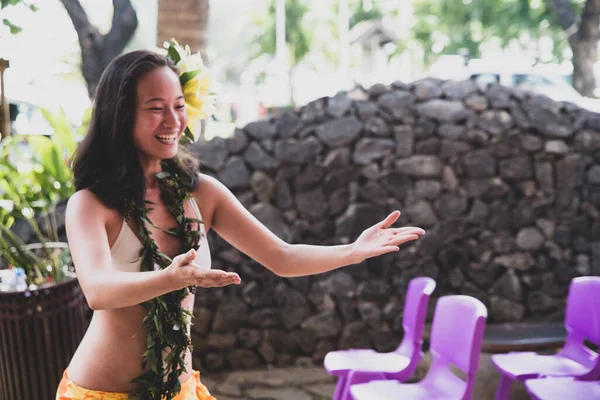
x=438 y=108
x=268 y=55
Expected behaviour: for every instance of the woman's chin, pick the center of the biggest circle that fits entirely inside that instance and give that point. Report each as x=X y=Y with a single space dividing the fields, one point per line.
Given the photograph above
x=169 y=151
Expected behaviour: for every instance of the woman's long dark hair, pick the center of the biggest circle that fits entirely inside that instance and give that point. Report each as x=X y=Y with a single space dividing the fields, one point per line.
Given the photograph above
x=106 y=161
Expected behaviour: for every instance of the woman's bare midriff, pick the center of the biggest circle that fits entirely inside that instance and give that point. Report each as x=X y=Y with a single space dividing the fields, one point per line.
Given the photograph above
x=110 y=354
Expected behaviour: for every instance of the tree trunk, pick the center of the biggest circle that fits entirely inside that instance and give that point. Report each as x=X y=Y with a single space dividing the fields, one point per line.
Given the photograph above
x=291 y=84
x=98 y=50
x=584 y=57
x=583 y=39
x=185 y=21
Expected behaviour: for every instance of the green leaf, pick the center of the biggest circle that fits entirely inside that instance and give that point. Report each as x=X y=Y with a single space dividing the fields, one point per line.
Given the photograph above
x=63 y=135
x=85 y=122
x=188 y=137
x=173 y=54
x=14 y=29
x=163 y=255
x=43 y=148
x=188 y=76
x=171 y=233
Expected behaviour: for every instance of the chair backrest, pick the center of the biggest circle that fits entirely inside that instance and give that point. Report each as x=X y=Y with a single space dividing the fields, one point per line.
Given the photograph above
x=457 y=335
x=583 y=308
x=582 y=322
x=415 y=311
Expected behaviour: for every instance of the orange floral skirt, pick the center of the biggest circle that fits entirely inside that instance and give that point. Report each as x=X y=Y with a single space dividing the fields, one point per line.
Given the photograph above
x=192 y=389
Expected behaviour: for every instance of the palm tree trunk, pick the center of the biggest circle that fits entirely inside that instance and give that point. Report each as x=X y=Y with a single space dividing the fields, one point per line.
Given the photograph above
x=185 y=21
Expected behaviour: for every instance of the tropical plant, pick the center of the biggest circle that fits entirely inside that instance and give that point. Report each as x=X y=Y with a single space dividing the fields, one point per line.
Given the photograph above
x=30 y=189
x=36 y=168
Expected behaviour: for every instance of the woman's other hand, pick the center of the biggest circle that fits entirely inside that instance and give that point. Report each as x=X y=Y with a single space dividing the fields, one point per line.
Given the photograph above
x=184 y=272
x=381 y=239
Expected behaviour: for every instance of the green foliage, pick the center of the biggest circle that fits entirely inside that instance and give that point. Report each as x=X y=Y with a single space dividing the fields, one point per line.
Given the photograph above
x=14 y=29
x=45 y=177
x=297 y=37
x=360 y=14
x=468 y=24
x=6 y=3
x=30 y=188
x=42 y=262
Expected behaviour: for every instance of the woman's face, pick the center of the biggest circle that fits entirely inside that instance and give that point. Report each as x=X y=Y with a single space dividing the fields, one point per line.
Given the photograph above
x=160 y=115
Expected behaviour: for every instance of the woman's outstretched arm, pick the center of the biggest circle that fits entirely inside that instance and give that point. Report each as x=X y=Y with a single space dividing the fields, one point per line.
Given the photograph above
x=240 y=228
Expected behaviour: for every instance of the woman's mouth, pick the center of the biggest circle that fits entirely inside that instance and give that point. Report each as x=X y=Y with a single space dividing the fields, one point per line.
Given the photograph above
x=167 y=139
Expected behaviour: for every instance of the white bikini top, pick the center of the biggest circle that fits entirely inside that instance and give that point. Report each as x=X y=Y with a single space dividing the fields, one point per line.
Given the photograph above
x=125 y=251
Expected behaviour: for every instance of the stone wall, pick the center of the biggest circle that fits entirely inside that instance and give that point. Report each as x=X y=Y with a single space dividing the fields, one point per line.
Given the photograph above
x=505 y=184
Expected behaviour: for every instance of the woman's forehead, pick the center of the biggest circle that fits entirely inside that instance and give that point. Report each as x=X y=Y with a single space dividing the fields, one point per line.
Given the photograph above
x=162 y=82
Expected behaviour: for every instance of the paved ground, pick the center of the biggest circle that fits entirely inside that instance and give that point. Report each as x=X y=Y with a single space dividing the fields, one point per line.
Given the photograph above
x=313 y=383
x=307 y=383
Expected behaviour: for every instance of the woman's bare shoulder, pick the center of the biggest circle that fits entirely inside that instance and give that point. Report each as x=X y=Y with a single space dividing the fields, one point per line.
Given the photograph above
x=207 y=192
x=85 y=202
x=206 y=185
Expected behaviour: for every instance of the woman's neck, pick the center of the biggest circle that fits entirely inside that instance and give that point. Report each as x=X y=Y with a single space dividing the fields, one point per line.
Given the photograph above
x=151 y=168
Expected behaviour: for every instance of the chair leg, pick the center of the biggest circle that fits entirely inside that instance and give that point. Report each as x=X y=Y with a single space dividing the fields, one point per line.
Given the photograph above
x=339 y=388
x=503 y=387
x=356 y=377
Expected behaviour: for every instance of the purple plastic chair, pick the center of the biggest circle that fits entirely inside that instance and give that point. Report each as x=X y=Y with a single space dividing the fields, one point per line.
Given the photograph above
x=562 y=388
x=398 y=364
x=456 y=338
x=582 y=322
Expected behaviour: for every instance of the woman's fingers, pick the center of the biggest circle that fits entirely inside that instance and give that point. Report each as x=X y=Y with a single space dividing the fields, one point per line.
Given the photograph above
x=403 y=238
x=184 y=259
x=389 y=220
x=407 y=229
x=215 y=278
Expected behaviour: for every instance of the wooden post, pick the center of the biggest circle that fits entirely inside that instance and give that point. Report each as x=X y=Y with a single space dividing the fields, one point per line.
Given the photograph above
x=4 y=110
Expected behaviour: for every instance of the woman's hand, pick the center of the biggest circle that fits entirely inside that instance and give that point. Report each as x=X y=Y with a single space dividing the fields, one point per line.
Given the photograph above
x=381 y=239
x=184 y=272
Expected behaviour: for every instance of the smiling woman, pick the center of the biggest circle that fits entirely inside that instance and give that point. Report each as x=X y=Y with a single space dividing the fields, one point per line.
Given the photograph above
x=137 y=230
x=129 y=158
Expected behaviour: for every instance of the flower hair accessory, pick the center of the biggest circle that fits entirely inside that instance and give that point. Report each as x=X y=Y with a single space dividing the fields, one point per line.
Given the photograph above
x=196 y=83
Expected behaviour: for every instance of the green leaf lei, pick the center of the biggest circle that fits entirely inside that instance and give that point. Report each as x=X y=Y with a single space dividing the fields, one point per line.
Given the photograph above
x=166 y=321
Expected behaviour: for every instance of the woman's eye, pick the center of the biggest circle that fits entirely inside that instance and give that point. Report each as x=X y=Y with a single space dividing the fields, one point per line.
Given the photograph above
x=181 y=107
x=155 y=109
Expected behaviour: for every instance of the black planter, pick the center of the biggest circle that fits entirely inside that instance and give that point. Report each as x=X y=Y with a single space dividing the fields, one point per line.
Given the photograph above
x=39 y=332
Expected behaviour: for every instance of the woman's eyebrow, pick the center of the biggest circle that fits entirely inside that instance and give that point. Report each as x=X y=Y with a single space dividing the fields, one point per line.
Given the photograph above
x=160 y=99
x=153 y=99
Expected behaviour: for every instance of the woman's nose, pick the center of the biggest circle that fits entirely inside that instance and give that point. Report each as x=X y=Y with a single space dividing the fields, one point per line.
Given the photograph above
x=171 y=120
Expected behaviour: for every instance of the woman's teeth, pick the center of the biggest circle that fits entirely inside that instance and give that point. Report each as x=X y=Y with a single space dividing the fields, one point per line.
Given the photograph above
x=167 y=139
